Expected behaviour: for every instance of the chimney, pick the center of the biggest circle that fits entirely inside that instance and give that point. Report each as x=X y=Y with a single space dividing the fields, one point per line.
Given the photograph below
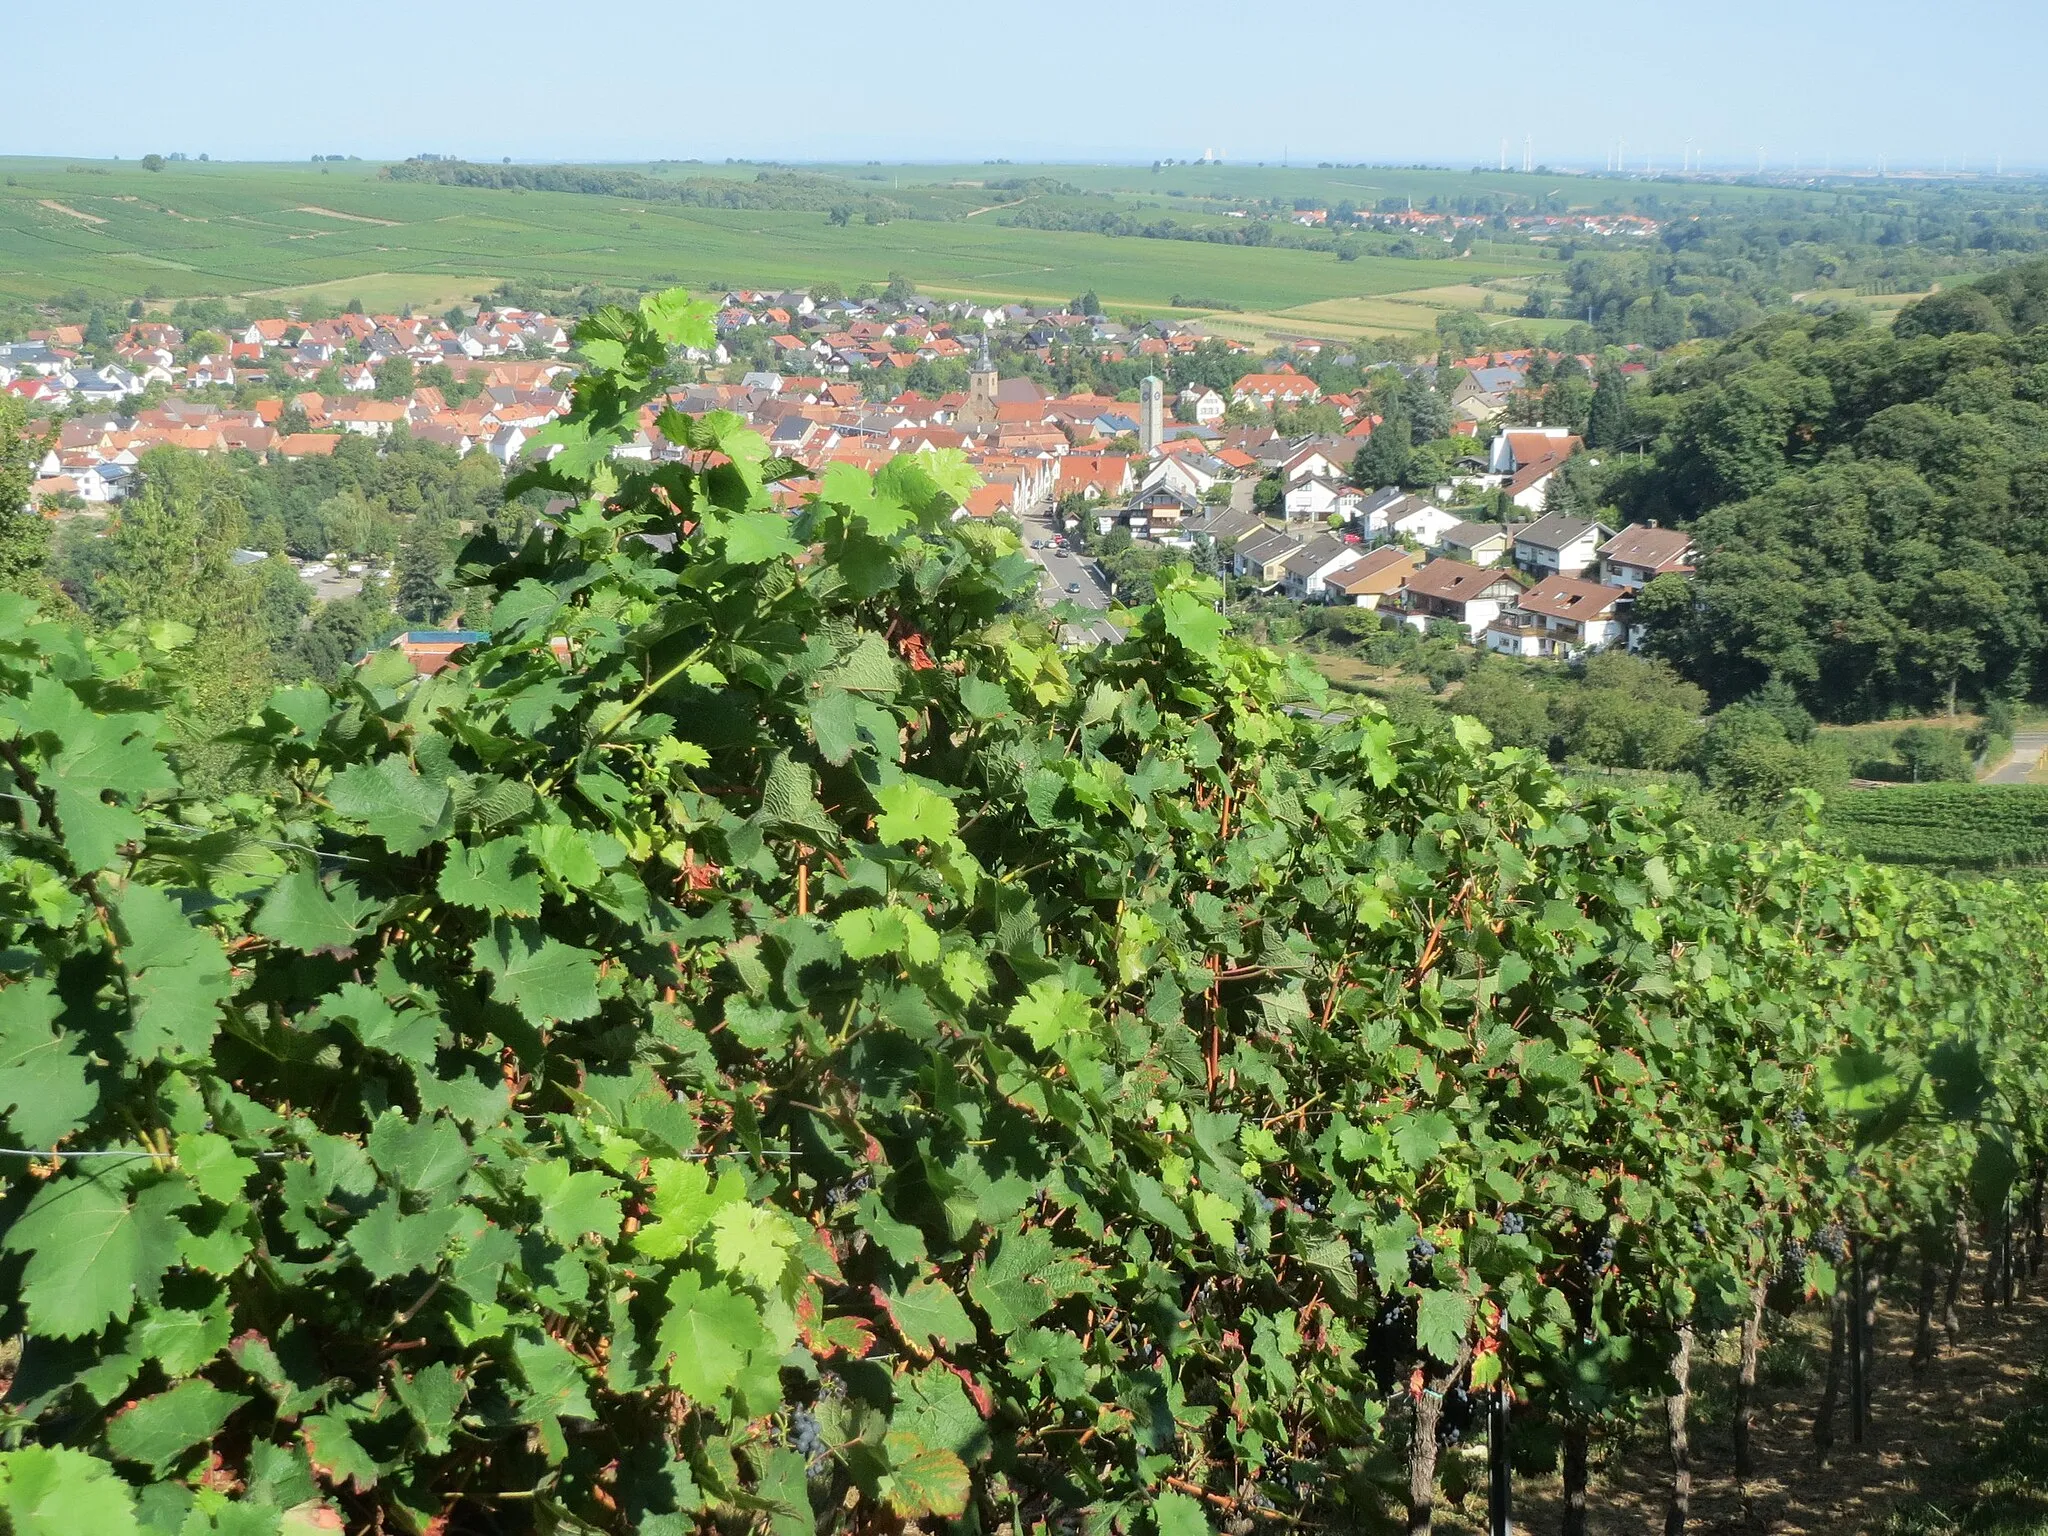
x=1653 y=522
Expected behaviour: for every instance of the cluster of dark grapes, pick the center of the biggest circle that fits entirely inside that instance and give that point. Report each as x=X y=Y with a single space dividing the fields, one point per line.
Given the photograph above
x=1511 y=1225
x=1798 y=1119
x=1460 y=1409
x=1833 y=1243
x=1699 y=1226
x=1598 y=1254
x=1420 y=1251
x=1792 y=1264
x=1265 y=1201
x=805 y=1436
x=842 y=1194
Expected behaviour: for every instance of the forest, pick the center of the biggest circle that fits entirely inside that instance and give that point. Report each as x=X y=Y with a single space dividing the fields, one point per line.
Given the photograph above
x=1871 y=505
x=770 y=1041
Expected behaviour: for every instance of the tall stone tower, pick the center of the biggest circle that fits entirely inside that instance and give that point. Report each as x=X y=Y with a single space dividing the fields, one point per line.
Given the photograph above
x=981 y=378
x=1151 y=413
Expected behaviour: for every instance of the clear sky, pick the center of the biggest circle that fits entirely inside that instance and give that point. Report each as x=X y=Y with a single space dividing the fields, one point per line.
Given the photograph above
x=1805 y=81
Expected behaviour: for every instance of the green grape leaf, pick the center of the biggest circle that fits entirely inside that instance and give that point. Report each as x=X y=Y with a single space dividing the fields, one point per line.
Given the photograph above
x=706 y=1335
x=44 y=1092
x=923 y=1479
x=178 y=976
x=337 y=1456
x=1441 y=1318
x=1193 y=621
x=572 y=1204
x=926 y=1311
x=913 y=812
x=393 y=802
x=546 y=980
x=1176 y=1514
x=496 y=877
x=158 y=1430
x=55 y=1491
x=388 y=1243
x=433 y=1396
x=301 y=914
x=753 y=1243
x=92 y=1252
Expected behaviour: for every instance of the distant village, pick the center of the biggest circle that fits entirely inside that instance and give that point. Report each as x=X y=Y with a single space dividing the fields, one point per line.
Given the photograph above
x=1180 y=468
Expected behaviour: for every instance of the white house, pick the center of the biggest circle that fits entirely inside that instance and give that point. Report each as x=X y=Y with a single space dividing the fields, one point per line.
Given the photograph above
x=1560 y=545
x=1203 y=407
x=1559 y=616
x=1317 y=498
x=1464 y=594
x=1305 y=573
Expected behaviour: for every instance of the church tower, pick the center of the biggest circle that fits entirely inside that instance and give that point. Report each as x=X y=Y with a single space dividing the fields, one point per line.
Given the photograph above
x=981 y=379
x=1151 y=413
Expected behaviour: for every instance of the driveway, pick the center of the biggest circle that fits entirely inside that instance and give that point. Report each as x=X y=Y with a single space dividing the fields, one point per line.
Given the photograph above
x=2027 y=747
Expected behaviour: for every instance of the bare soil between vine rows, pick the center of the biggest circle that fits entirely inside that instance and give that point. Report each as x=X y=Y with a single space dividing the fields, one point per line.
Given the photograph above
x=1920 y=1423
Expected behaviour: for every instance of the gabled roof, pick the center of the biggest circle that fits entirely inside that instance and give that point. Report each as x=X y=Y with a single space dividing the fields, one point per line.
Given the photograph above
x=1649 y=546
x=1554 y=530
x=1381 y=571
x=1453 y=581
x=1566 y=597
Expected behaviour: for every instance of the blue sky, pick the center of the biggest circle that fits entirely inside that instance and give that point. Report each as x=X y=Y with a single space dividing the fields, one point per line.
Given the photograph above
x=1807 y=81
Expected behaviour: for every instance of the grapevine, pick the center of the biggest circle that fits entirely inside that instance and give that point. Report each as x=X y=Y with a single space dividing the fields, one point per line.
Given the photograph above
x=770 y=1033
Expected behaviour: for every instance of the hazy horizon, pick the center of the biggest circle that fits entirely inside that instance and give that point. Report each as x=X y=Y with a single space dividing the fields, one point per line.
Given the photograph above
x=1806 y=84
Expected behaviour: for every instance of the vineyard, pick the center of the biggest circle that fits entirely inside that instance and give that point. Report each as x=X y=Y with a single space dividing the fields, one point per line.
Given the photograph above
x=1960 y=826
x=771 y=1042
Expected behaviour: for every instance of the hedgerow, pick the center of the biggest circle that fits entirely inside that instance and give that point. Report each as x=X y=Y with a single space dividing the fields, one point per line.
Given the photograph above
x=770 y=1040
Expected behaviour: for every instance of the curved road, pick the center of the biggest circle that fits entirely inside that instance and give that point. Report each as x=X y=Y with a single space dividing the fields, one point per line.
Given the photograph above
x=2027 y=747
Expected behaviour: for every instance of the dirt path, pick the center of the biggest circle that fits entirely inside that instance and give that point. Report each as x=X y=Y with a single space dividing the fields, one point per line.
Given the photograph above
x=353 y=218
x=56 y=207
x=1919 y=1423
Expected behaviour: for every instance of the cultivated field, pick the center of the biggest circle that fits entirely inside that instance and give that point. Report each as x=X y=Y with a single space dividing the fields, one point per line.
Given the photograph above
x=193 y=229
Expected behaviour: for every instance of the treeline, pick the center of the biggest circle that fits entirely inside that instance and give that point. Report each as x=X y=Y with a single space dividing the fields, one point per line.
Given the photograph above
x=768 y=191
x=1713 y=273
x=1253 y=232
x=1869 y=505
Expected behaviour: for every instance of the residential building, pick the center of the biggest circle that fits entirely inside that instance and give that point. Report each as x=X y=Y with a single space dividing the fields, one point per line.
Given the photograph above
x=1559 y=544
x=1317 y=499
x=1262 y=558
x=1480 y=544
x=1560 y=616
x=1372 y=578
x=1642 y=552
x=1464 y=594
x=1303 y=573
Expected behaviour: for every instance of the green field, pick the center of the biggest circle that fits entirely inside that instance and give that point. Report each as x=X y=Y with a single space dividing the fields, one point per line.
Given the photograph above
x=1958 y=826
x=116 y=231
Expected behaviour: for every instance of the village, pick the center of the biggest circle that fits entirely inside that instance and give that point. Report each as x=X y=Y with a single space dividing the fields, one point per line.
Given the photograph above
x=1491 y=551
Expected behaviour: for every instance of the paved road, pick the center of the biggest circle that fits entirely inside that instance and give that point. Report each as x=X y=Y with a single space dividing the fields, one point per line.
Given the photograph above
x=2027 y=747
x=1056 y=570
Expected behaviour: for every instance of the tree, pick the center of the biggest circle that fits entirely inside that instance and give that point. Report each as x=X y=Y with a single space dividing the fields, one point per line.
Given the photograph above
x=152 y=162
x=1607 y=416
x=422 y=569
x=1508 y=702
x=395 y=378
x=24 y=533
x=1384 y=458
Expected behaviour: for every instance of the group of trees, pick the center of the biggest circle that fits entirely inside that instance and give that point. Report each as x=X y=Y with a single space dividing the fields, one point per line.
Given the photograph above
x=1869 y=505
x=771 y=1039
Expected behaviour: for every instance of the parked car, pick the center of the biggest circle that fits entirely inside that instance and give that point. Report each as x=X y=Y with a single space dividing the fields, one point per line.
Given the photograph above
x=1073 y=586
